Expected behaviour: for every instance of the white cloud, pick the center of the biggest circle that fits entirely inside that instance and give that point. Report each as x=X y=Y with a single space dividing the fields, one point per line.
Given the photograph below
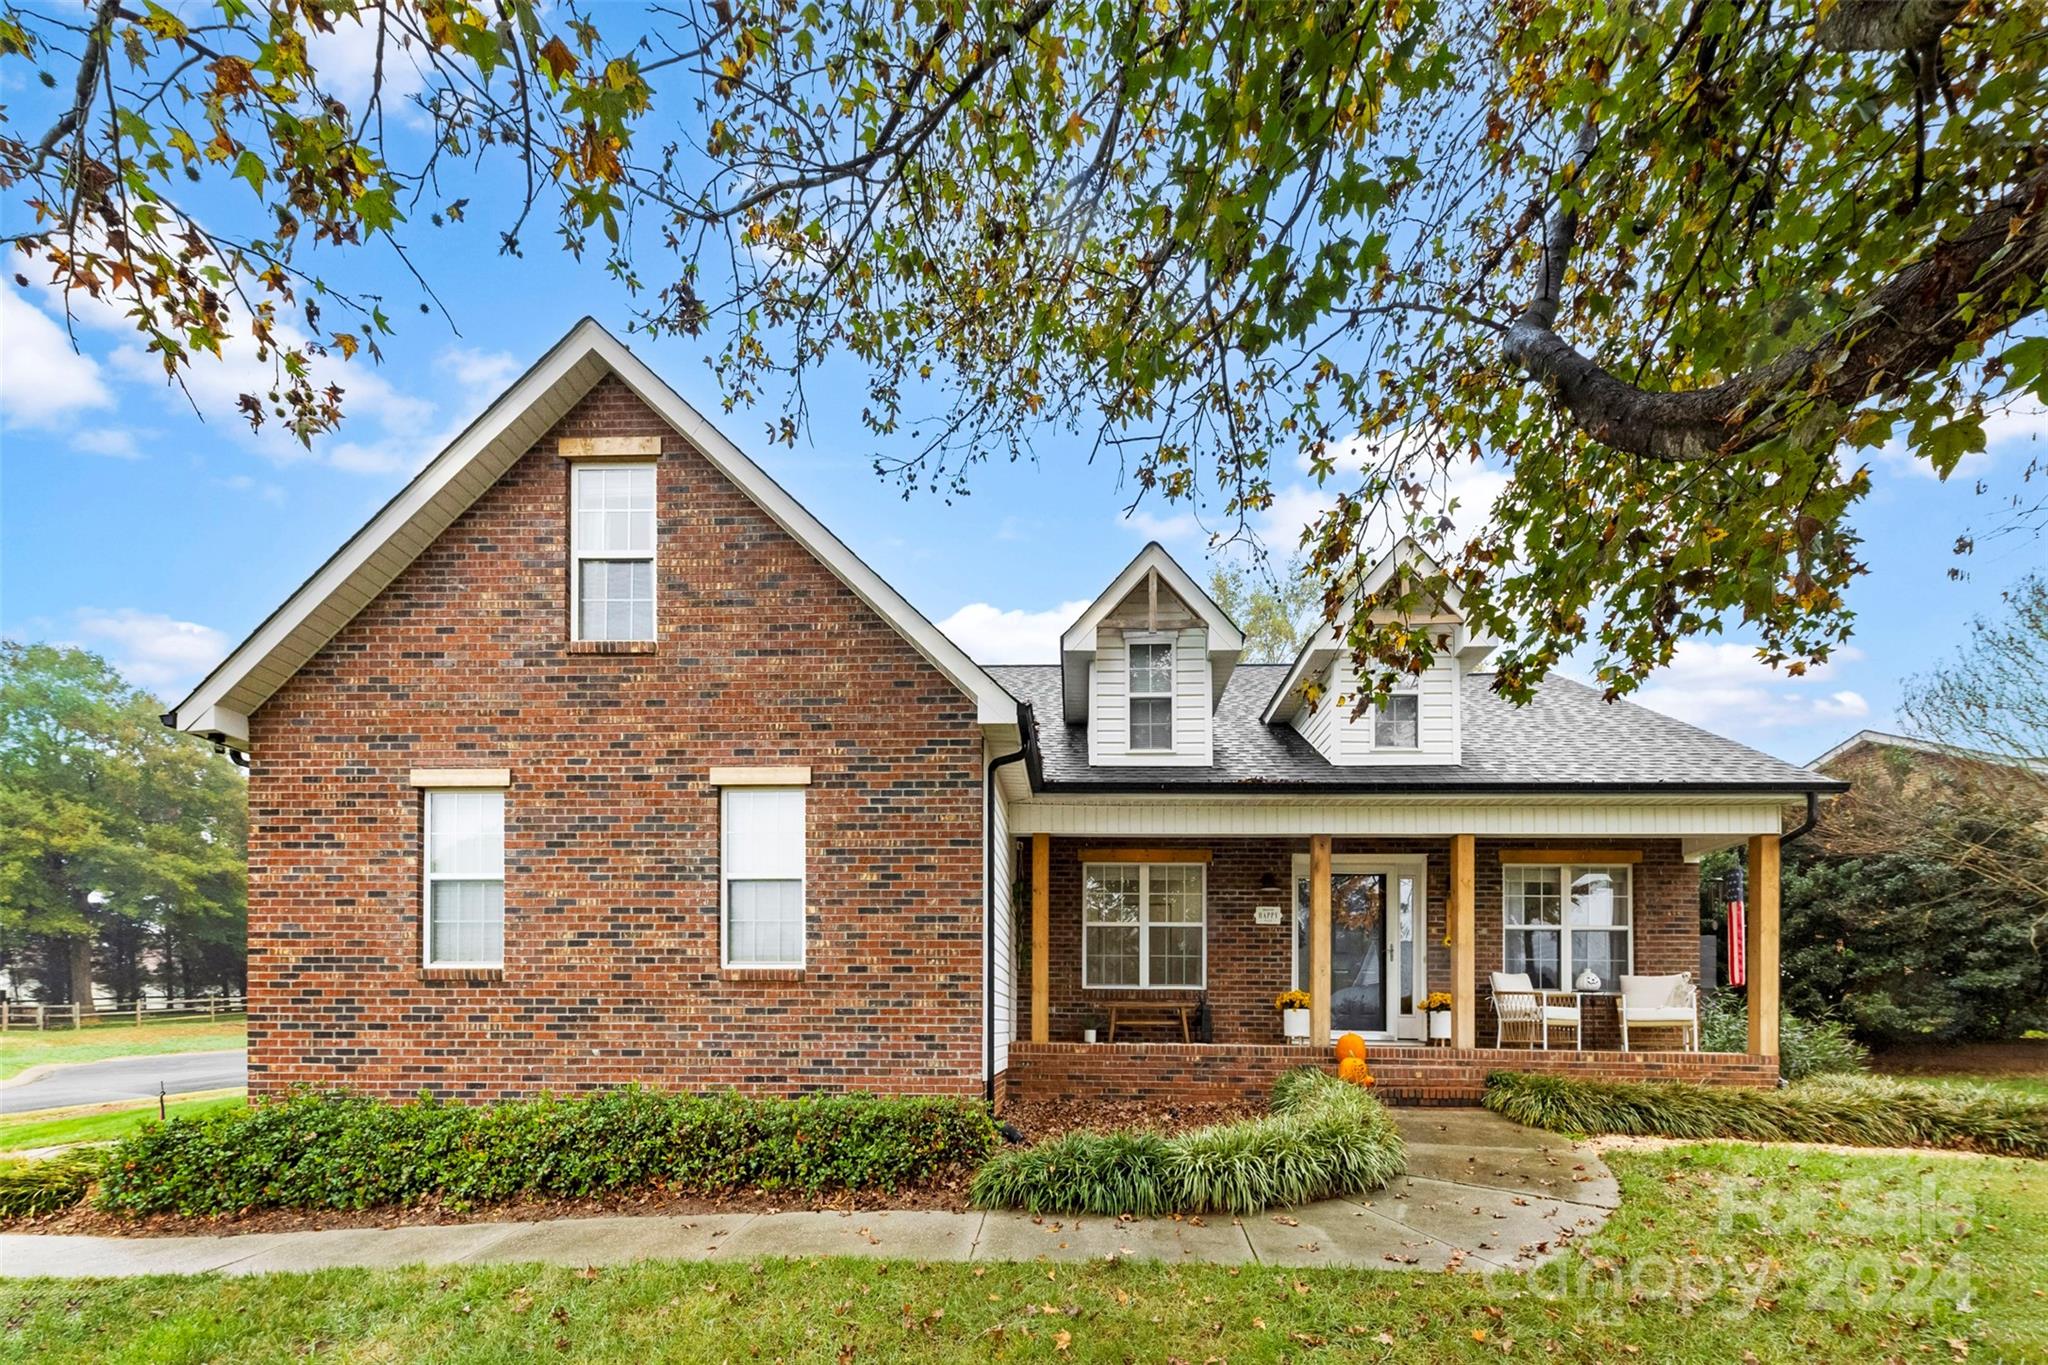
x=115 y=442
x=346 y=60
x=2007 y=427
x=1726 y=688
x=483 y=374
x=243 y=483
x=43 y=381
x=992 y=635
x=152 y=650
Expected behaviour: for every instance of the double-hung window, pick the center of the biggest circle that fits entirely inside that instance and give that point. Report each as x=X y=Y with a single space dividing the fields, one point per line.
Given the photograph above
x=1568 y=927
x=611 y=546
x=1143 y=925
x=1151 y=695
x=1397 y=720
x=465 y=879
x=762 y=869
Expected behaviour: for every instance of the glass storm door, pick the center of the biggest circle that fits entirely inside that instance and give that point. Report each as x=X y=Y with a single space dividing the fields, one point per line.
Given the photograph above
x=1374 y=968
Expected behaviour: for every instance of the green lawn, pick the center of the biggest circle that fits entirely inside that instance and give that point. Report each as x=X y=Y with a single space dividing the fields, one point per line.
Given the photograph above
x=101 y=1122
x=2033 y=1087
x=1719 y=1253
x=21 y=1049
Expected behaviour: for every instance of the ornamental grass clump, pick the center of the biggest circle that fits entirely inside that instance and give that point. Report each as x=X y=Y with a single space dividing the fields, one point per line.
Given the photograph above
x=29 y=1188
x=1853 y=1111
x=338 y=1151
x=1324 y=1138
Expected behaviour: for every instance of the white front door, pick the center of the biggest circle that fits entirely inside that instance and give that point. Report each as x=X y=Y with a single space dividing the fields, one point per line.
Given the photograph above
x=1377 y=928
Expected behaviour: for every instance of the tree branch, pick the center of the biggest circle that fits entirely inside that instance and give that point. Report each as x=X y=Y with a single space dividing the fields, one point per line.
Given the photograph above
x=1908 y=325
x=1886 y=25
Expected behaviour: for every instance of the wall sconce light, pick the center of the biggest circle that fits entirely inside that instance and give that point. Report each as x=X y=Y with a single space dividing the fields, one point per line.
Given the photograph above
x=1269 y=882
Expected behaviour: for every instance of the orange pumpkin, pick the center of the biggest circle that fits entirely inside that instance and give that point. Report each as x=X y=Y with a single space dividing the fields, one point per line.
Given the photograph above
x=1353 y=1069
x=1350 y=1046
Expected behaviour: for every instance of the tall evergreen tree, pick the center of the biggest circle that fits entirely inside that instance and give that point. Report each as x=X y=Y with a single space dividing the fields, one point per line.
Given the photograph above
x=119 y=839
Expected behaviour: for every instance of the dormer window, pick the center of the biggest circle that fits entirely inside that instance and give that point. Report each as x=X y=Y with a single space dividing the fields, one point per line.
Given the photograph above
x=1397 y=721
x=1151 y=695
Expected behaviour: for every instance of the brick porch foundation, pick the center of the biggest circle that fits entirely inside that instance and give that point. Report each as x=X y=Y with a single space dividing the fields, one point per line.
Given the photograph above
x=1213 y=1072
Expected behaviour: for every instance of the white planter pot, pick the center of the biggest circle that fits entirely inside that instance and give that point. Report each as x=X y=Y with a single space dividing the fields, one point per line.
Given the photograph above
x=1294 y=1024
x=1439 y=1026
x=1087 y=1035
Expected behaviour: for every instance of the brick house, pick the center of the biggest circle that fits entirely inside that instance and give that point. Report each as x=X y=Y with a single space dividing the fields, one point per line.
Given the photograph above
x=595 y=758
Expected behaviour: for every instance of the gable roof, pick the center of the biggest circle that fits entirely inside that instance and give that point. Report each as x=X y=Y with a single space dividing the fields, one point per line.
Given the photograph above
x=1321 y=649
x=1881 y=739
x=220 y=706
x=1077 y=642
x=1567 y=740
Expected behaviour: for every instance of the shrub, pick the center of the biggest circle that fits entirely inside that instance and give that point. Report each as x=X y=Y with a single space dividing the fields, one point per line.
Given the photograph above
x=1324 y=1138
x=1857 y=1111
x=341 y=1151
x=1805 y=1047
x=31 y=1187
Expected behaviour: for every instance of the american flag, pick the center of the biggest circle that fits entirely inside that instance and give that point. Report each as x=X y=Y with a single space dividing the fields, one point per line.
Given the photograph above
x=1738 y=931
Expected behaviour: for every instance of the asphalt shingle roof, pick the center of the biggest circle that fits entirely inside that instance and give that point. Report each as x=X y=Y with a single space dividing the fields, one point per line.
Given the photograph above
x=1566 y=738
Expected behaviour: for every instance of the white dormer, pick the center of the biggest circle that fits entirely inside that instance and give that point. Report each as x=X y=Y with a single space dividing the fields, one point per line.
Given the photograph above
x=1144 y=665
x=1420 y=723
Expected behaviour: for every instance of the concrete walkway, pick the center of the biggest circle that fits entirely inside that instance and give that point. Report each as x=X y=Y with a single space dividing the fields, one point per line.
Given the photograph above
x=1481 y=1193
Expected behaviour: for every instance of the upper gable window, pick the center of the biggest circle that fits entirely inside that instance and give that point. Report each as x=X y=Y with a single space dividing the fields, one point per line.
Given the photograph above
x=1151 y=696
x=1397 y=720
x=612 y=551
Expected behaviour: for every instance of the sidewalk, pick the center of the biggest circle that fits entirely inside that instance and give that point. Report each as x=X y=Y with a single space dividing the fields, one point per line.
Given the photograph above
x=1482 y=1194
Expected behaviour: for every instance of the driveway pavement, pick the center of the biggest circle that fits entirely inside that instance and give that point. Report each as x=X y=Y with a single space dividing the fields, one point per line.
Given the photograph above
x=1482 y=1194
x=124 y=1078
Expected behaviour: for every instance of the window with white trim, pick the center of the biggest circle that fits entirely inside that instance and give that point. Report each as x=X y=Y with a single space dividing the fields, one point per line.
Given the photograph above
x=1151 y=695
x=761 y=862
x=1144 y=926
x=1397 y=719
x=611 y=547
x=464 y=896
x=1561 y=923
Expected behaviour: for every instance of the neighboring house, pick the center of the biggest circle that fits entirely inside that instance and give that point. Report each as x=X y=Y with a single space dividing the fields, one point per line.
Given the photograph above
x=1908 y=756
x=595 y=758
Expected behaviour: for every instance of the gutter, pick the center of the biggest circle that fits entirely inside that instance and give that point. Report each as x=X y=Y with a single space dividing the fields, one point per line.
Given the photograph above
x=1068 y=787
x=988 y=913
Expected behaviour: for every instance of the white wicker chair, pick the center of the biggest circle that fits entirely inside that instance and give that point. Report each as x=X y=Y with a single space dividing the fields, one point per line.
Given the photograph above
x=1525 y=1015
x=1660 y=1002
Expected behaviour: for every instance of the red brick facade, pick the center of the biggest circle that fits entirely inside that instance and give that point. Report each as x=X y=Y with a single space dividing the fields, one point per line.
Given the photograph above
x=612 y=967
x=1249 y=963
x=1401 y=1074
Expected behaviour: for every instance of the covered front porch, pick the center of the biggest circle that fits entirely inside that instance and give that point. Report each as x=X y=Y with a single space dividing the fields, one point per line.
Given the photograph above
x=1369 y=927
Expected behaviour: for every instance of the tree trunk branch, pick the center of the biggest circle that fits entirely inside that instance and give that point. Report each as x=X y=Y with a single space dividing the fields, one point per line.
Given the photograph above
x=1907 y=326
x=1886 y=25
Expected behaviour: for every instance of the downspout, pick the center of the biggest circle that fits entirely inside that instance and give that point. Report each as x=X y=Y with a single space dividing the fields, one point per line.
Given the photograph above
x=1806 y=825
x=988 y=953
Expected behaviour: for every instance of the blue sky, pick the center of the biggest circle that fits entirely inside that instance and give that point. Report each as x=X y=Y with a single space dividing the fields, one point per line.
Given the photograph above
x=159 y=536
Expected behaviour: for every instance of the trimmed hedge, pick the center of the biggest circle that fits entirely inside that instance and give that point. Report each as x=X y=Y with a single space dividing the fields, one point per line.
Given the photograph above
x=1324 y=1138
x=1857 y=1111
x=29 y=1187
x=316 y=1150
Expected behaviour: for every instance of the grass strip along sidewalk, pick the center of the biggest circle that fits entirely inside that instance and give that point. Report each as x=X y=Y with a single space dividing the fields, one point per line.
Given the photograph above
x=1718 y=1253
x=1856 y=1111
x=21 y=1049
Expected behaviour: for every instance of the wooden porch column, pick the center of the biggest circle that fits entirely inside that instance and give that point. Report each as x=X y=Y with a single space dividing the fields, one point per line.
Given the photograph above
x=1761 y=944
x=1041 y=937
x=1464 y=943
x=1319 y=941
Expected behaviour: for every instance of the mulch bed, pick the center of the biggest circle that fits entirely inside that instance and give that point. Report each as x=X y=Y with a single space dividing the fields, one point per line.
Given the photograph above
x=948 y=1193
x=1036 y=1120
x=1041 y=1119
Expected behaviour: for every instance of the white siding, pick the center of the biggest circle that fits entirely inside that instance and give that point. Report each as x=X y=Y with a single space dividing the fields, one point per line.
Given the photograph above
x=1000 y=974
x=1586 y=817
x=1348 y=741
x=1194 y=702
